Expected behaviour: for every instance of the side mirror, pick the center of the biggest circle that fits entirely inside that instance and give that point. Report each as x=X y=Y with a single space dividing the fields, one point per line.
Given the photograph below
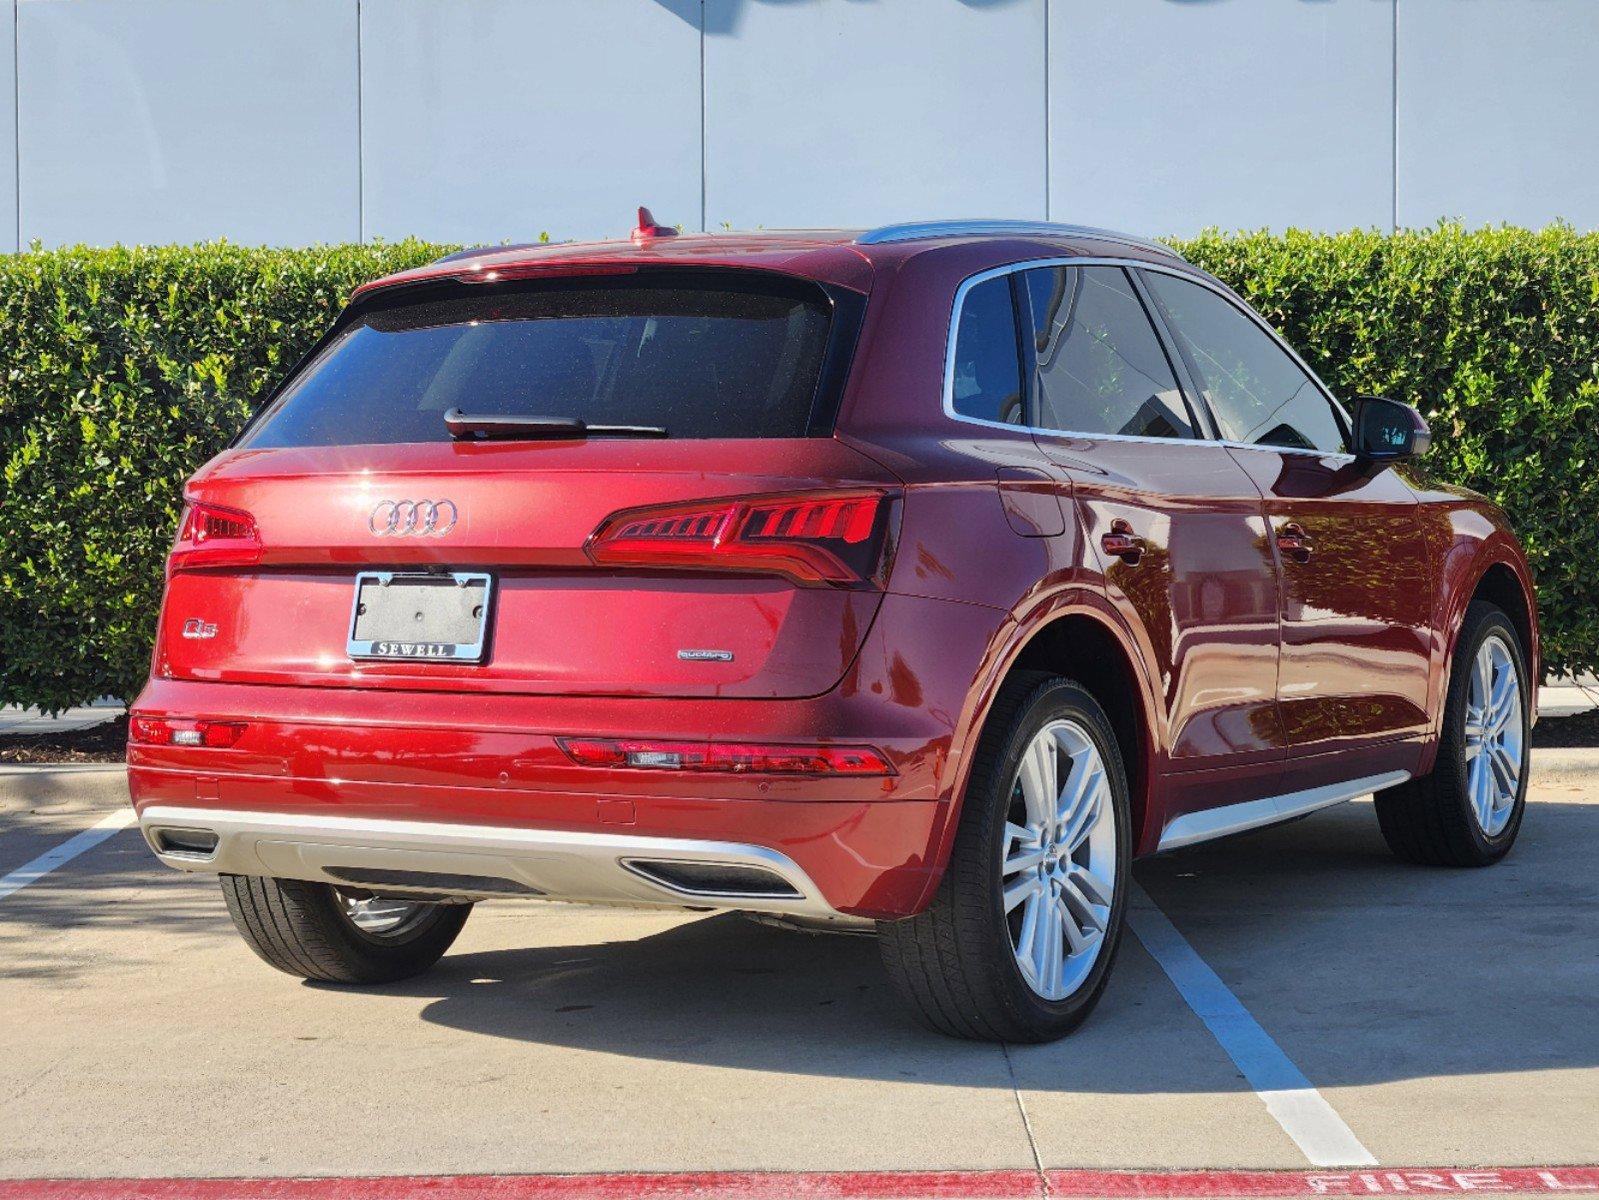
x=1387 y=431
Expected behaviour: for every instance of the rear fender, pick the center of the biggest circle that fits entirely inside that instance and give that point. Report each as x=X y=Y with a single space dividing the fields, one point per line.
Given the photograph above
x=1009 y=642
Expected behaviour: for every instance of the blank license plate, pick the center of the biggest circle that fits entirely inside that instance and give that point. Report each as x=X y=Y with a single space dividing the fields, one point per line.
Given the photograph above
x=423 y=618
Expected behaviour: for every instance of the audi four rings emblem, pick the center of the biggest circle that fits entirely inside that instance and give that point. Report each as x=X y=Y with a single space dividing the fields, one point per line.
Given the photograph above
x=413 y=518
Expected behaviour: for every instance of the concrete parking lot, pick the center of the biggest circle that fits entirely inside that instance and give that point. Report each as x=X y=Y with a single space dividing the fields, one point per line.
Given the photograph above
x=1446 y=1018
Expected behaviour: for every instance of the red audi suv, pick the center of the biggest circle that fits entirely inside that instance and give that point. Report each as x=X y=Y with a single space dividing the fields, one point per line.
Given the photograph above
x=914 y=580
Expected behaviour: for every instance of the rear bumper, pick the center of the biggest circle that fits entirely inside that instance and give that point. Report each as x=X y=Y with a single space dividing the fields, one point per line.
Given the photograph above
x=448 y=784
x=479 y=862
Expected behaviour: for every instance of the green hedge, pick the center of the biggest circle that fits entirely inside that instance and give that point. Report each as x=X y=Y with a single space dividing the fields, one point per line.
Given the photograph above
x=122 y=370
x=1494 y=335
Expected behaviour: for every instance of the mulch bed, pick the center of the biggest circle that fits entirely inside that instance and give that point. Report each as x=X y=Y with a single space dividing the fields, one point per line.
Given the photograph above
x=1578 y=730
x=107 y=742
x=103 y=743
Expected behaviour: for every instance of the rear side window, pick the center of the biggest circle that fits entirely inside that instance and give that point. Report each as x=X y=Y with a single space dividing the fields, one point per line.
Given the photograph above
x=1100 y=365
x=702 y=354
x=987 y=382
x=1258 y=394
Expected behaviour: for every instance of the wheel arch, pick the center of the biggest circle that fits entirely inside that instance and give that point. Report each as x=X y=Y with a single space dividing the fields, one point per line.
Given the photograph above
x=1083 y=640
x=1501 y=586
x=1500 y=577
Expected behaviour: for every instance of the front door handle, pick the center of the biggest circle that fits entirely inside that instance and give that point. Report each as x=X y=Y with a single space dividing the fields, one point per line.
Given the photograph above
x=1121 y=542
x=1294 y=542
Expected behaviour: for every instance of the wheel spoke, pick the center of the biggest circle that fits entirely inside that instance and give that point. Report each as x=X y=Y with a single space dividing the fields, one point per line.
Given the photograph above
x=1506 y=770
x=1094 y=889
x=1070 y=926
x=1050 y=951
x=1502 y=703
x=1038 y=780
x=1081 y=802
x=1481 y=785
x=1025 y=888
x=1028 y=934
x=1024 y=849
x=1482 y=674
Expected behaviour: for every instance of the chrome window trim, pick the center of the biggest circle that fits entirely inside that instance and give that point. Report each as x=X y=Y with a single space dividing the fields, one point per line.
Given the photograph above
x=916 y=231
x=1138 y=264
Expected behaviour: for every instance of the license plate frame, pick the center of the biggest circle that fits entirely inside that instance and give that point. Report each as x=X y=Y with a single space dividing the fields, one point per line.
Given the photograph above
x=362 y=647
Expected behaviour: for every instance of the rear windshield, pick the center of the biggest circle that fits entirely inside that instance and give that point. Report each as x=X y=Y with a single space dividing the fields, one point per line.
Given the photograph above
x=704 y=355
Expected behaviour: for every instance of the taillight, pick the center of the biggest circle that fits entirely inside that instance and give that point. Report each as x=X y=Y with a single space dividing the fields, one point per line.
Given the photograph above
x=212 y=536
x=170 y=731
x=842 y=539
x=739 y=758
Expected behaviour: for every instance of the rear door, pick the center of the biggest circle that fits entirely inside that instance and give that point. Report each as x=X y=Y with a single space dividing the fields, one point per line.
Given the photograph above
x=707 y=538
x=1175 y=523
x=1356 y=589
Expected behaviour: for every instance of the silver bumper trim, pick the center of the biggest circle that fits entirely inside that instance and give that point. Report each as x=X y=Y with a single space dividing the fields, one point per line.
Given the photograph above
x=584 y=866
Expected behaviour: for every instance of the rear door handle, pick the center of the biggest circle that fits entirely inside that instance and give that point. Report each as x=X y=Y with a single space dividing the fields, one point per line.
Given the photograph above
x=1121 y=542
x=1294 y=542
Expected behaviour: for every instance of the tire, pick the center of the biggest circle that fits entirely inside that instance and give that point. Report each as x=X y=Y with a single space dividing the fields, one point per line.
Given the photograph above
x=306 y=929
x=1438 y=820
x=956 y=965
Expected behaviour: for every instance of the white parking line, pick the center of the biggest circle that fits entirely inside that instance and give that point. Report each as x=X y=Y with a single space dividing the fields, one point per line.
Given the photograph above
x=1297 y=1106
x=106 y=826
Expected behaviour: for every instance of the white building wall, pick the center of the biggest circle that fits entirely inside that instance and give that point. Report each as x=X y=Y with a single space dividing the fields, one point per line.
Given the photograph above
x=176 y=120
x=862 y=112
x=491 y=119
x=296 y=121
x=1498 y=114
x=8 y=120
x=1172 y=117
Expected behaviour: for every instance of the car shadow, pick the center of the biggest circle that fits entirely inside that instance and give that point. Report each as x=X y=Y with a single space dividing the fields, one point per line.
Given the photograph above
x=1363 y=969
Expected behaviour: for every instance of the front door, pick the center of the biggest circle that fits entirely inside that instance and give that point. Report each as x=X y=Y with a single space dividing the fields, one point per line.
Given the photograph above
x=1356 y=593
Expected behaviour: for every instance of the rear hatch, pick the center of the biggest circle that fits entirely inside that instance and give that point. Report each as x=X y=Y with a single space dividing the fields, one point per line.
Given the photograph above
x=641 y=497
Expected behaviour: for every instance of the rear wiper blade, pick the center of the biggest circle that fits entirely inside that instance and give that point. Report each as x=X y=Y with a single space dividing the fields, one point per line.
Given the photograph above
x=465 y=426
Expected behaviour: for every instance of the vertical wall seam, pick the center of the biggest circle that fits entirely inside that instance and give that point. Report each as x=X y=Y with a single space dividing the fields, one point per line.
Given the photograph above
x=1049 y=166
x=360 y=132
x=703 y=202
x=1393 y=125
x=16 y=112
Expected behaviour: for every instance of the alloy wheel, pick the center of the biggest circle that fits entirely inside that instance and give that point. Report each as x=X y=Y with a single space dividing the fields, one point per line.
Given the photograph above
x=379 y=916
x=1494 y=735
x=1058 y=870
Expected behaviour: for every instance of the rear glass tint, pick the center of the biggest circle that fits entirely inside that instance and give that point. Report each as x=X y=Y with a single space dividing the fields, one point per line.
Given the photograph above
x=705 y=355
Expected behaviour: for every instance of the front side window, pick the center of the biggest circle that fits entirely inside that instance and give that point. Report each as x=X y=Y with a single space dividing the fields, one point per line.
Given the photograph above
x=1258 y=394
x=1100 y=365
x=987 y=382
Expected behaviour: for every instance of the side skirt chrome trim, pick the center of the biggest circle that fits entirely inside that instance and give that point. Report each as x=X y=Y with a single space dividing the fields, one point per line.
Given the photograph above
x=1193 y=828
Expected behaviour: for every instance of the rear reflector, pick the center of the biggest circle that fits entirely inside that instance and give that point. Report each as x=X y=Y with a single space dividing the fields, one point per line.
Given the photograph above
x=210 y=536
x=841 y=539
x=741 y=758
x=168 y=731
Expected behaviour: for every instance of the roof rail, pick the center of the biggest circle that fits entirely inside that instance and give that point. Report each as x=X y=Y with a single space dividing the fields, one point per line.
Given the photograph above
x=912 y=231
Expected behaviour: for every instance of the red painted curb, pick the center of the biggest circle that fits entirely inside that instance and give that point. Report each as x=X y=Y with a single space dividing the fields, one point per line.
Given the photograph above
x=838 y=1185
